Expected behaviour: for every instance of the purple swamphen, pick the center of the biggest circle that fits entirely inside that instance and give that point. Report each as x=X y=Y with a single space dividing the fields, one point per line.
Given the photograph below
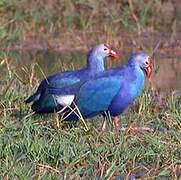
x=95 y=64
x=110 y=91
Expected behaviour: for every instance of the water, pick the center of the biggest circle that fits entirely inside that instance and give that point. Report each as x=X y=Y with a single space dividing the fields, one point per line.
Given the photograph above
x=167 y=62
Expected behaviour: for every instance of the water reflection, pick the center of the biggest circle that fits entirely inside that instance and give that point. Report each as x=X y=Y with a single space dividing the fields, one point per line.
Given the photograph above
x=167 y=77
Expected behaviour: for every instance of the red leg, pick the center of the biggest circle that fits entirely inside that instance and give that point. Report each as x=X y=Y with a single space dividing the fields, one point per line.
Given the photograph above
x=116 y=124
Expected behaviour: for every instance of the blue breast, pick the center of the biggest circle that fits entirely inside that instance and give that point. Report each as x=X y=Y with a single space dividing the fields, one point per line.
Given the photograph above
x=131 y=87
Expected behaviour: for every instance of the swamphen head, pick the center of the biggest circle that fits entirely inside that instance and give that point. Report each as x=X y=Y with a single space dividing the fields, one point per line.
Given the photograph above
x=104 y=51
x=99 y=53
x=143 y=61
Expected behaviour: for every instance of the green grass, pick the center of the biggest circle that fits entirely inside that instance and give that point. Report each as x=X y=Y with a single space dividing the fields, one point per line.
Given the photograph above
x=37 y=147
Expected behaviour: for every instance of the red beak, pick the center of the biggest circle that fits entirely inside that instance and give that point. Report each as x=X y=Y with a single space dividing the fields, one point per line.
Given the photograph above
x=148 y=68
x=113 y=54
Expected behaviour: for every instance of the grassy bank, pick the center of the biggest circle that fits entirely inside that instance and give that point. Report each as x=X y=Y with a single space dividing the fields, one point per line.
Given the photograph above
x=38 y=147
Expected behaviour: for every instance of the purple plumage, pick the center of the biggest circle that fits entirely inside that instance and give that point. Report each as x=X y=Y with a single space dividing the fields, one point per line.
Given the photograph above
x=109 y=91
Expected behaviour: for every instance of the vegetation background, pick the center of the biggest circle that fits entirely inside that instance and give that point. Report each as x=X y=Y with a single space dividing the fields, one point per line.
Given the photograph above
x=41 y=37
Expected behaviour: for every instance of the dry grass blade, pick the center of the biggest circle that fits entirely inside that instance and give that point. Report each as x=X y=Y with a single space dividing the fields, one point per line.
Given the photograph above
x=78 y=114
x=49 y=168
x=134 y=16
x=29 y=115
x=156 y=47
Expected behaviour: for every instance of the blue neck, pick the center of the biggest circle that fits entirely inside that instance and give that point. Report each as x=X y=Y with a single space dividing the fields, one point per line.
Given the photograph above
x=139 y=72
x=138 y=82
x=95 y=63
x=132 y=62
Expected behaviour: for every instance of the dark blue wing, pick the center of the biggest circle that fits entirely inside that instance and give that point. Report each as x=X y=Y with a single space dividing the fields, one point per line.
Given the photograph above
x=67 y=81
x=58 y=80
x=45 y=104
